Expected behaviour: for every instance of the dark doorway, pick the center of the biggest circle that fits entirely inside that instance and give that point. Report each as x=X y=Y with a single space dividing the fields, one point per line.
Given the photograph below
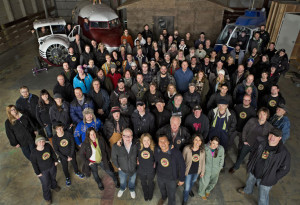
x=162 y=22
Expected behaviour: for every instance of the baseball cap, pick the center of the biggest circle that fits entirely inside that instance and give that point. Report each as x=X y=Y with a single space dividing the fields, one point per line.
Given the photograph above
x=277 y=132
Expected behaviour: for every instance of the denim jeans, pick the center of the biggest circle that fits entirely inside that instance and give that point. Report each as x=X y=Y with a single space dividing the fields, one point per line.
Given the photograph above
x=27 y=150
x=94 y=168
x=48 y=180
x=243 y=153
x=49 y=131
x=167 y=189
x=123 y=181
x=190 y=179
x=263 y=191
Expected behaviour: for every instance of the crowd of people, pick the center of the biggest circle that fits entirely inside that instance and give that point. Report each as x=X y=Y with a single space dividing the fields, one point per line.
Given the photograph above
x=169 y=107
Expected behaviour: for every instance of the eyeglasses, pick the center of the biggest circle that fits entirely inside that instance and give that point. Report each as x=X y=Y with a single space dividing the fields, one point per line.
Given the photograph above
x=127 y=136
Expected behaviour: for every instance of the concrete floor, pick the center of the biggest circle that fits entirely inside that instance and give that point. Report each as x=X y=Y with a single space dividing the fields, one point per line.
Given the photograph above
x=19 y=184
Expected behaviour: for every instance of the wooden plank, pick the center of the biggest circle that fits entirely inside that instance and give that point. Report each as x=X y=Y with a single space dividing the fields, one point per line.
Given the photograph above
x=296 y=50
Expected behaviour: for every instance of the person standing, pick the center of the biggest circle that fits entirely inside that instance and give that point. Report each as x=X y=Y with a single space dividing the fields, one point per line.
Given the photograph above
x=95 y=152
x=44 y=162
x=268 y=163
x=146 y=165
x=20 y=130
x=64 y=146
x=124 y=157
x=254 y=129
x=42 y=112
x=194 y=157
x=281 y=121
x=183 y=76
x=214 y=160
x=170 y=169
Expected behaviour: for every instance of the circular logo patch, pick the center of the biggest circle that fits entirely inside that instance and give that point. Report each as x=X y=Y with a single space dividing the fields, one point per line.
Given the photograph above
x=64 y=143
x=145 y=154
x=178 y=141
x=260 y=87
x=272 y=103
x=164 y=162
x=118 y=63
x=243 y=115
x=46 y=156
x=223 y=58
x=196 y=158
x=73 y=58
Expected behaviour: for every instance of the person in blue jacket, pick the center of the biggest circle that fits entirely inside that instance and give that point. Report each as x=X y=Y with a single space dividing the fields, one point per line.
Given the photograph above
x=282 y=122
x=89 y=120
x=82 y=80
x=78 y=105
x=183 y=76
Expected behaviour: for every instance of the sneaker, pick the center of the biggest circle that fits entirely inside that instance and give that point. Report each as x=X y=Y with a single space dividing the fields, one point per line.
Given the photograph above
x=132 y=194
x=48 y=202
x=68 y=181
x=191 y=194
x=207 y=195
x=57 y=189
x=204 y=197
x=80 y=175
x=161 y=202
x=232 y=170
x=100 y=186
x=241 y=190
x=120 y=193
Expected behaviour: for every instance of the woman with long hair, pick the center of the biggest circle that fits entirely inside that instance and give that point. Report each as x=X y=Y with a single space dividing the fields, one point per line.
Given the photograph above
x=170 y=94
x=214 y=160
x=202 y=85
x=100 y=54
x=42 y=112
x=20 y=130
x=95 y=152
x=194 y=157
x=146 y=165
x=174 y=66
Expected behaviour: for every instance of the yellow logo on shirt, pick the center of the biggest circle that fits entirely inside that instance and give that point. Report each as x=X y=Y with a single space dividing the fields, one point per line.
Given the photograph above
x=73 y=58
x=265 y=154
x=46 y=156
x=164 y=162
x=243 y=115
x=64 y=143
x=272 y=103
x=196 y=158
x=145 y=154
x=261 y=87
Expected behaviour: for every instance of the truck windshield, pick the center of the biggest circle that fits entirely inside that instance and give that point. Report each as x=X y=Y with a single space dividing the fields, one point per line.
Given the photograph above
x=114 y=23
x=223 y=38
x=58 y=29
x=98 y=24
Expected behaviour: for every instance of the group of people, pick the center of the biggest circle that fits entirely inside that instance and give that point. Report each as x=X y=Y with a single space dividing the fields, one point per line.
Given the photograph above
x=170 y=107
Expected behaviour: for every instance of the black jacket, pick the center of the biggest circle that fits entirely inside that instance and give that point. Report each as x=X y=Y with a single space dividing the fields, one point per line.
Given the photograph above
x=66 y=91
x=161 y=118
x=192 y=99
x=143 y=124
x=75 y=46
x=182 y=138
x=42 y=114
x=124 y=160
x=276 y=166
x=71 y=76
x=272 y=102
x=182 y=111
x=28 y=106
x=22 y=132
x=214 y=99
x=62 y=116
x=85 y=153
x=85 y=57
x=110 y=125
